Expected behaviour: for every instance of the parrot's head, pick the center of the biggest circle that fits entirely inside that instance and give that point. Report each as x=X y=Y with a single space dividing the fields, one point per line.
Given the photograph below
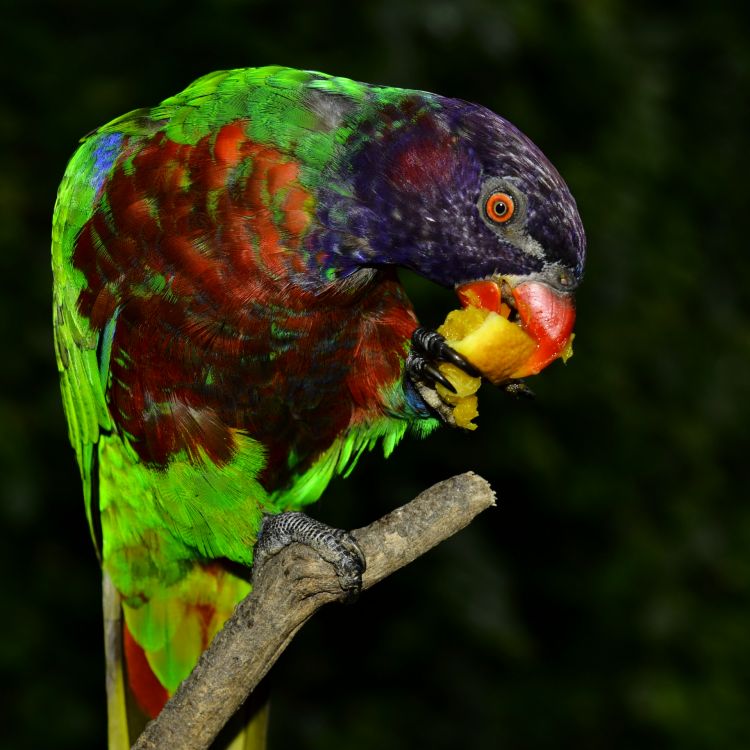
x=459 y=195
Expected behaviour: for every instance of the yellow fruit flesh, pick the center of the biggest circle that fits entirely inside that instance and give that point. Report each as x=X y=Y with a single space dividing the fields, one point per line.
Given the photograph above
x=494 y=345
x=464 y=400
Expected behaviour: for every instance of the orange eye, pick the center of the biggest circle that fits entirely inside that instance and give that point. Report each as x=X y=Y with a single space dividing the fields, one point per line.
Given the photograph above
x=500 y=207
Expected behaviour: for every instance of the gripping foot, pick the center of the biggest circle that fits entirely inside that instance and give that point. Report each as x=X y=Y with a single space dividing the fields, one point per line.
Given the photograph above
x=333 y=545
x=428 y=350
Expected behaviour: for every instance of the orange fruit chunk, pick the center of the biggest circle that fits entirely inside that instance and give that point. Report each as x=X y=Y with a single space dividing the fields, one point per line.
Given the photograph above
x=464 y=400
x=497 y=347
x=494 y=345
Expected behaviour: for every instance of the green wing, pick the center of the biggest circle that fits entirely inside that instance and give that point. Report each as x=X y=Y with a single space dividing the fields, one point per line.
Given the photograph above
x=76 y=345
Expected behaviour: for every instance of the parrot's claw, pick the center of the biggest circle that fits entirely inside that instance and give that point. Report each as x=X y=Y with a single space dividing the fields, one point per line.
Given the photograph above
x=428 y=349
x=429 y=374
x=431 y=345
x=335 y=546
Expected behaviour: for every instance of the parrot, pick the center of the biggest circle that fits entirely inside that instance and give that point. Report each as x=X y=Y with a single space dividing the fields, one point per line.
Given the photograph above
x=231 y=331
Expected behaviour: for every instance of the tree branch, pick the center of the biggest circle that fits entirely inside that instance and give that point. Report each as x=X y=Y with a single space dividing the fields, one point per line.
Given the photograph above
x=287 y=590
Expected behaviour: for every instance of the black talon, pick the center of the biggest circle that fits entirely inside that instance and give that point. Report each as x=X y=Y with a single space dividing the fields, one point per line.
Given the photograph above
x=433 y=344
x=427 y=372
x=436 y=376
x=452 y=356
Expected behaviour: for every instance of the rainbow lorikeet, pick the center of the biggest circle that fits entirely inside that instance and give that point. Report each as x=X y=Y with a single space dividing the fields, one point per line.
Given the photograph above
x=230 y=329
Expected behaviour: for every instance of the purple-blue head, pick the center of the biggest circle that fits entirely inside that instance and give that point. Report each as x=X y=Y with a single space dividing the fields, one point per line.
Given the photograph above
x=459 y=195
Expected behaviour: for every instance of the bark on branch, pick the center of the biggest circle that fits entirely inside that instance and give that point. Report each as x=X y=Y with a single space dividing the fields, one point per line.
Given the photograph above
x=288 y=589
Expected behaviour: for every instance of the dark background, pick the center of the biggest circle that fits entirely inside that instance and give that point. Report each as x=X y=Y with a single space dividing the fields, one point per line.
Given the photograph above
x=604 y=603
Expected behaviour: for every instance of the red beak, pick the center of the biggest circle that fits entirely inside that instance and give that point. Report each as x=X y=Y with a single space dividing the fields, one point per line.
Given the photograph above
x=544 y=314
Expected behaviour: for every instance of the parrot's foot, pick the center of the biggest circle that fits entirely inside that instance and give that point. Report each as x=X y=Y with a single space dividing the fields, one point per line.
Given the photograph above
x=428 y=349
x=335 y=546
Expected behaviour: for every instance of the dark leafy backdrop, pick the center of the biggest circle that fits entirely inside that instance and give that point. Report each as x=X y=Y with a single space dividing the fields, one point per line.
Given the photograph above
x=604 y=604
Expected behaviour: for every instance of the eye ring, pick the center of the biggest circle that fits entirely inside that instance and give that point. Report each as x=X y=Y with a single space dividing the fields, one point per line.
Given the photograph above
x=500 y=207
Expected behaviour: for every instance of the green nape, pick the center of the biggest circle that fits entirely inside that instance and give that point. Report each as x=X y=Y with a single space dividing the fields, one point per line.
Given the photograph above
x=275 y=102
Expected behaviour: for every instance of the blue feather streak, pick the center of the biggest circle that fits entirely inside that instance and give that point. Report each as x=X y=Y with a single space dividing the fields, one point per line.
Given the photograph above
x=107 y=149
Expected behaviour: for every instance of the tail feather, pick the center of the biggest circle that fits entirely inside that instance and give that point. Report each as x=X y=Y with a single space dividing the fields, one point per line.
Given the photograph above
x=160 y=641
x=248 y=730
x=117 y=718
x=149 y=694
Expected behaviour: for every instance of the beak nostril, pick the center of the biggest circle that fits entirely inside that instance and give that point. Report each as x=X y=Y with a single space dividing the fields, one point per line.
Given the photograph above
x=564 y=280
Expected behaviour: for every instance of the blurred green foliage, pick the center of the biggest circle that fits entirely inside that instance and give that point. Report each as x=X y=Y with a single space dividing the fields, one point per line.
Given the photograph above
x=604 y=604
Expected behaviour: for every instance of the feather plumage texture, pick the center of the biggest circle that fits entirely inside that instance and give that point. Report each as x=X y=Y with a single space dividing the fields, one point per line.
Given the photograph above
x=229 y=327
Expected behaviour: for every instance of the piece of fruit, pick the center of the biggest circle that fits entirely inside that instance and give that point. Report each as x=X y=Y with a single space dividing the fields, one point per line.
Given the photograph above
x=500 y=349
x=464 y=400
x=494 y=345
